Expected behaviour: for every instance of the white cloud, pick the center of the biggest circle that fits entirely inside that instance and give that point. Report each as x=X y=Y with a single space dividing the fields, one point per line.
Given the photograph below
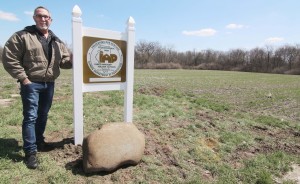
x=201 y=32
x=8 y=16
x=274 y=40
x=235 y=26
x=29 y=13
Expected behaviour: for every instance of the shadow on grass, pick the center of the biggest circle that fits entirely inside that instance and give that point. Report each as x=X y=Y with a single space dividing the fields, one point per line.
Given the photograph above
x=77 y=169
x=10 y=149
x=56 y=145
x=63 y=142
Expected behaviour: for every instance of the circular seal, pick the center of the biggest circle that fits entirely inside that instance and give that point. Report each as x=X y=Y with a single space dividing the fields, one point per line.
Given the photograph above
x=105 y=58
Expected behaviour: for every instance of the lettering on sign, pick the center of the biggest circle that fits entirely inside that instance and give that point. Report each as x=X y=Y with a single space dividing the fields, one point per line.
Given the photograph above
x=105 y=58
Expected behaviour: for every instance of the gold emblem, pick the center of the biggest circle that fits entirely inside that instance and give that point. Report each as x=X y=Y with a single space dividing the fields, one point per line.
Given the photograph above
x=105 y=58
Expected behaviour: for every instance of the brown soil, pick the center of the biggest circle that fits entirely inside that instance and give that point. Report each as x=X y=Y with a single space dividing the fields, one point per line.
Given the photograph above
x=65 y=153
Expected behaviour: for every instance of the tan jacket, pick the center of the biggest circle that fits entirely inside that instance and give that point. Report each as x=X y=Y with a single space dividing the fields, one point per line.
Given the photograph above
x=23 y=57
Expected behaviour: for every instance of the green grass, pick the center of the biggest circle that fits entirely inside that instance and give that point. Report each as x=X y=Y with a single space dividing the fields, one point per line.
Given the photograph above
x=200 y=127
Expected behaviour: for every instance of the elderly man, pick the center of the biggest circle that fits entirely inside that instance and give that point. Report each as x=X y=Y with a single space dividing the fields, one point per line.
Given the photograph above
x=34 y=57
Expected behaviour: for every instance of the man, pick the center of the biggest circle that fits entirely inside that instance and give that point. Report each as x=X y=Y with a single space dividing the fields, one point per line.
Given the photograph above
x=34 y=57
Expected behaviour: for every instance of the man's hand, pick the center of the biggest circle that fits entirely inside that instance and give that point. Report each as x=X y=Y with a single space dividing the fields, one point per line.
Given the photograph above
x=26 y=81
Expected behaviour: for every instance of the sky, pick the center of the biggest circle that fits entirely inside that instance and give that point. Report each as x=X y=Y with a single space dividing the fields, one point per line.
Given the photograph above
x=183 y=25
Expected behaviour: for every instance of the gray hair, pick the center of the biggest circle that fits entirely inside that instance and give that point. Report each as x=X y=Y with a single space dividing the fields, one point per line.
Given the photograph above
x=41 y=7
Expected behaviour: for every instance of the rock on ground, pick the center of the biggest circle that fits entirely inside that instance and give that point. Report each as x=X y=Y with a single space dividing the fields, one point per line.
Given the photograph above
x=112 y=146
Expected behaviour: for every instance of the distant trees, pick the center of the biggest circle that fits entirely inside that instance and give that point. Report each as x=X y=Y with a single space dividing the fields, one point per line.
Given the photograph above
x=152 y=55
x=1 y=50
x=285 y=59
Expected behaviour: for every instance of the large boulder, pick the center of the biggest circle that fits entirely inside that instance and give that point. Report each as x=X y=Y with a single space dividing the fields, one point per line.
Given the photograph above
x=112 y=146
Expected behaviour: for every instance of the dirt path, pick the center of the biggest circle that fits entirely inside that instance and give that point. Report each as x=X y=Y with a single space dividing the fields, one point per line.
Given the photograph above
x=293 y=175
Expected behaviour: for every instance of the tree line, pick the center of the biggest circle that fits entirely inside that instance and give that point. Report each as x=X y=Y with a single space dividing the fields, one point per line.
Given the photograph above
x=284 y=59
x=152 y=55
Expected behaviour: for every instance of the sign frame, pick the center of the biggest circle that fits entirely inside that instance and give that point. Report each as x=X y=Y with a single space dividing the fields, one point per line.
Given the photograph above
x=79 y=87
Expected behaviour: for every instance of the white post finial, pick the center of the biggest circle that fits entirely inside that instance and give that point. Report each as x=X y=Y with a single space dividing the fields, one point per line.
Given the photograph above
x=76 y=11
x=130 y=22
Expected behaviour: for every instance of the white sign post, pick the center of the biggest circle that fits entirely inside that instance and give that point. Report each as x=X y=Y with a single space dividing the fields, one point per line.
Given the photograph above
x=79 y=87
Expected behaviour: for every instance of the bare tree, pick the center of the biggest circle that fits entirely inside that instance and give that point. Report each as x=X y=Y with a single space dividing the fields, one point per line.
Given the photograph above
x=145 y=50
x=1 y=50
x=237 y=59
x=289 y=55
x=270 y=55
x=257 y=58
x=165 y=54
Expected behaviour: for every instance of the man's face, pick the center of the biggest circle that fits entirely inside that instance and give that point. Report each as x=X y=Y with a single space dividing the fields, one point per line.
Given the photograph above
x=42 y=19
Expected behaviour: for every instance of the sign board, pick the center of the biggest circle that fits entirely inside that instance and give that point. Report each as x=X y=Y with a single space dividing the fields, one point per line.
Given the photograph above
x=103 y=60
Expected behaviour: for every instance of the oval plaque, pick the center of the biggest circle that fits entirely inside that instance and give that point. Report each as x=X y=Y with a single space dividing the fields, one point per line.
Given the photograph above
x=105 y=58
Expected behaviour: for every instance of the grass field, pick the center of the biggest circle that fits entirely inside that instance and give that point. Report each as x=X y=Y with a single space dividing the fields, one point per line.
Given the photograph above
x=200 y=127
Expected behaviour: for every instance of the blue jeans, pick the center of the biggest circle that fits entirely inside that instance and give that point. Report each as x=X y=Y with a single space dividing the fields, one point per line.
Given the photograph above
x=37 y=99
